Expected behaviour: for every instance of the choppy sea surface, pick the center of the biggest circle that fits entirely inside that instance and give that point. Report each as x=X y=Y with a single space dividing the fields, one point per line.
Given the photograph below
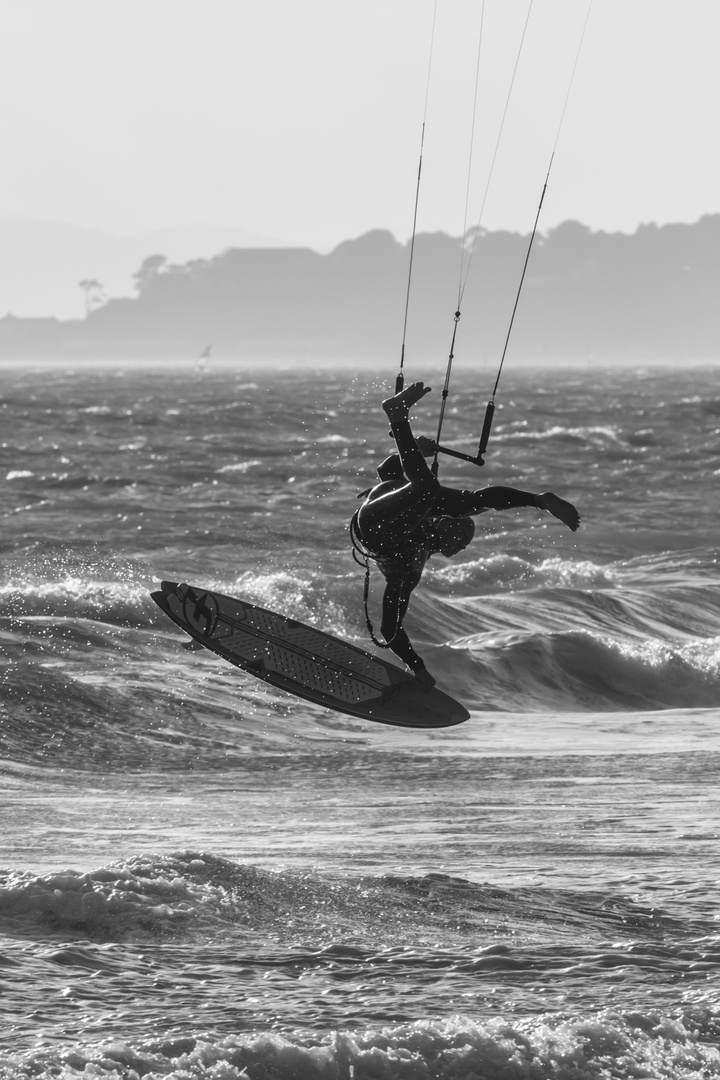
x=201 y=876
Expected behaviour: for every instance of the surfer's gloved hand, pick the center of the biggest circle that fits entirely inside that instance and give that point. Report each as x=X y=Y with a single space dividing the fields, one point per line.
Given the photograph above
x=426 y=445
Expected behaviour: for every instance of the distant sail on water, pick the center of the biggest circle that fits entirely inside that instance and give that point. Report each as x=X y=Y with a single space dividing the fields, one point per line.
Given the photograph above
x=203 y=358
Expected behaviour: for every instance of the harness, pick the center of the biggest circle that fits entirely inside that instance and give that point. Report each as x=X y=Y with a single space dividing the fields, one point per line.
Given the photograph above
x=363 y=556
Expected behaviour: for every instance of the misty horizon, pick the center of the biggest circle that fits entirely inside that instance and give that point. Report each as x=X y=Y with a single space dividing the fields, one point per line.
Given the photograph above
x=586 y=294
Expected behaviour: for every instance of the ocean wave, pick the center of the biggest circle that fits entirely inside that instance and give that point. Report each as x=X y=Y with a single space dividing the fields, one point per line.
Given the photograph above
x=141 y=898
x=77 y=598
x=81 y=695
x=79 y=580
x=83 y=655
x=511 y=572
x=581 y=671
x=305 y=973
x=596 y=435
x=193 y=895
x=305 y=597
x=603 y=1046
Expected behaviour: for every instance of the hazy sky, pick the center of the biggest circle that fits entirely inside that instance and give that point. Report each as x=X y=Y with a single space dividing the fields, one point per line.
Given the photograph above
x=301 y=119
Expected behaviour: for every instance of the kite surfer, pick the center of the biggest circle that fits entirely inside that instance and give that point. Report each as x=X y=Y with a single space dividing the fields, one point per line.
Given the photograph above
x=410 y=516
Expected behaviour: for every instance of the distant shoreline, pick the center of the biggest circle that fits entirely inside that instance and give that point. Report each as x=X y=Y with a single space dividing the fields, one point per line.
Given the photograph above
x=586 y=298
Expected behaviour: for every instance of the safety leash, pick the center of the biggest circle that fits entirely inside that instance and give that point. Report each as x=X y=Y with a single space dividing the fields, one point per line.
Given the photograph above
x=363 y=556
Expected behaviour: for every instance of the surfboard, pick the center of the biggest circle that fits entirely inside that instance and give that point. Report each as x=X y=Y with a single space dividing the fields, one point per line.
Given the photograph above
x=305 y=661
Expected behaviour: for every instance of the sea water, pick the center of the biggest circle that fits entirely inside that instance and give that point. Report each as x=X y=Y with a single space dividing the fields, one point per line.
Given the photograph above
x=201 y=876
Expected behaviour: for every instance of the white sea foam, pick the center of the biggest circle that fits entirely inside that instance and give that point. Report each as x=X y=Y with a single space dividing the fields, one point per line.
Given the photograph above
x=702 y=656
x=513 y=572
x=240 y=466
x=602 y=1047
x=597 y=434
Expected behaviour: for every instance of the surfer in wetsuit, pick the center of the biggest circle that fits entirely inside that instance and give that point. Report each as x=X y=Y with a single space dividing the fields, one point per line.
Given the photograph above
x=409 y=516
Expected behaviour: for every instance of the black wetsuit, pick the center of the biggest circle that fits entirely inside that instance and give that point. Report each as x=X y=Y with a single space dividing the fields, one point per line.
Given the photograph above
x=395 y=524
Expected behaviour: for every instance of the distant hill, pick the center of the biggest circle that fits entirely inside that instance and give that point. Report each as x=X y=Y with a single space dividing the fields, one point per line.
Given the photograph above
x=587 y=295
x=41 y=262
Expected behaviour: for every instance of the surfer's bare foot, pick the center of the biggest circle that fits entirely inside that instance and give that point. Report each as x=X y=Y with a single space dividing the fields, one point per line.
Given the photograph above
x=559 y=508
x=397 y=407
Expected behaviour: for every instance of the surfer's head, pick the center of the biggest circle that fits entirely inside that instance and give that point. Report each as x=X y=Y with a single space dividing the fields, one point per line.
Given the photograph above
x=451 y=535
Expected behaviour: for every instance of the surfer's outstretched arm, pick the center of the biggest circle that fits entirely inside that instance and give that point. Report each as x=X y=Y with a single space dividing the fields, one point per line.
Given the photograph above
x=460 y=503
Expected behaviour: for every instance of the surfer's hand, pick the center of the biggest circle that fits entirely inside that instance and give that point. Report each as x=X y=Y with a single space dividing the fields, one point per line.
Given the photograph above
x=424 y=677
x=559 y=508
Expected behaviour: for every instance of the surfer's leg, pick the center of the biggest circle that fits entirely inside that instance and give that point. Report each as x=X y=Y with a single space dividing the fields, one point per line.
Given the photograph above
x=395 y=604
x=413 y=460
x=390 y=517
